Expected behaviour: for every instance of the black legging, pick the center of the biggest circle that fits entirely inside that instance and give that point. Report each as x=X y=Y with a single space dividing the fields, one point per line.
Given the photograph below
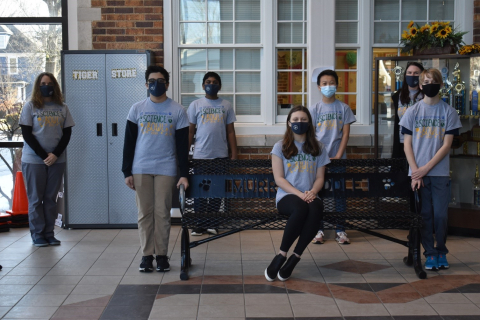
x=303 y=222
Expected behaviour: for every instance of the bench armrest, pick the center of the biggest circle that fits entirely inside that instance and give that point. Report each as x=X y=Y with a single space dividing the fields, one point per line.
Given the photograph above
x=181 y=198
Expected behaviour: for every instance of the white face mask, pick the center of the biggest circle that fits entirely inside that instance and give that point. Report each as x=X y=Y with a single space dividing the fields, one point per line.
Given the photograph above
x=328 y=91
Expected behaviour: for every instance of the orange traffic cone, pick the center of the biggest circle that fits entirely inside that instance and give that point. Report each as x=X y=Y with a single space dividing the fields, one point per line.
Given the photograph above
x=20 y=200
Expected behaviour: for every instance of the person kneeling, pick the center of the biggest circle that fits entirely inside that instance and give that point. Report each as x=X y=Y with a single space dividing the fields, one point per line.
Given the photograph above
x=298 y=168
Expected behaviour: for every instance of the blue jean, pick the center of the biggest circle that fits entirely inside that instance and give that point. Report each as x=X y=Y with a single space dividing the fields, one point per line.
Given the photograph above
x=435 y=196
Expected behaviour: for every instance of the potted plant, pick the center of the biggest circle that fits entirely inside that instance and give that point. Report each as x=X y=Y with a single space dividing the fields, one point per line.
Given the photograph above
x=435 y=38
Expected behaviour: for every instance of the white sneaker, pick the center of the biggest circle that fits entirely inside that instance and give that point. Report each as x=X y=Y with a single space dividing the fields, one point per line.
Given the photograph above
x=342 y=238
x=212 y=231
x=319 y=238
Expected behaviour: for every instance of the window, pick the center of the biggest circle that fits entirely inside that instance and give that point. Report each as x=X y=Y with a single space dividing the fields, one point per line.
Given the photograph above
x=222 y=36
x=346 y=39
x=291 y=55
x=13 y=65
x=3 y=42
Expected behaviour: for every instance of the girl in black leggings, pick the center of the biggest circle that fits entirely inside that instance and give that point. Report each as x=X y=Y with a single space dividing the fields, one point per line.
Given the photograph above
x=298 y=168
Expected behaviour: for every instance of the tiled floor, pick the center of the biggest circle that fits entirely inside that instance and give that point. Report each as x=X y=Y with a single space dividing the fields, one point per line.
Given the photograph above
x=94 y=275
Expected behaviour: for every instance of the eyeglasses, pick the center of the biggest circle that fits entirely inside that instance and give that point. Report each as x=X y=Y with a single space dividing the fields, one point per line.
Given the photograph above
x=159 y=80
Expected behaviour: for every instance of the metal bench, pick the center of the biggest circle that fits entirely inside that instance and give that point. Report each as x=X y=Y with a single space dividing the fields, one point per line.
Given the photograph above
x=237 y=195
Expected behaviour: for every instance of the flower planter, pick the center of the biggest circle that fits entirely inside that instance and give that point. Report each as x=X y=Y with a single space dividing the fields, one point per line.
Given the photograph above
x=434 y=51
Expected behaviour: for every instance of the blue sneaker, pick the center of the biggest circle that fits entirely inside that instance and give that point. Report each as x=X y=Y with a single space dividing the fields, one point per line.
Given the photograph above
x=431 y=263
x=442 y=261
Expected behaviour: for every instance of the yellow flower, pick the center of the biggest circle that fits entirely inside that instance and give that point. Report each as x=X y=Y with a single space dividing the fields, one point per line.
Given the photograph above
x=410 y=25
x=442 y=34
x=434 y=28
x=413 y=31
x=405 y=35
x=425 y=28
x=448 y=29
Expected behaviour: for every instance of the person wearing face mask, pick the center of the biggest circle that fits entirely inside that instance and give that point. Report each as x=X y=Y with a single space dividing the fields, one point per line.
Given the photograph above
x=212 y=126
x=46 y=126
x=298 y=165
x=156 y=136
x=332 y=119
x=404 y=98
x=429 y=127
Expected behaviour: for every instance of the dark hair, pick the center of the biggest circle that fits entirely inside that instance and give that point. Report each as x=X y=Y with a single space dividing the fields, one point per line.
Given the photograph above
x=327 y=73
x=311 y=145
x=155 y=69
x=37 y=98
x=214 y=75
x=404 y=92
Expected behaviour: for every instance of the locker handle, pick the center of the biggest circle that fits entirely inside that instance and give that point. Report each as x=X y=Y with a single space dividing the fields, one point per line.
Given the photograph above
x=99 y=130
x=114 y=130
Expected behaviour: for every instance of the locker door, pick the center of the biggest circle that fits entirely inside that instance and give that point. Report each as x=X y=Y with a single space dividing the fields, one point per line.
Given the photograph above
x=125 y=86
x=86 y=178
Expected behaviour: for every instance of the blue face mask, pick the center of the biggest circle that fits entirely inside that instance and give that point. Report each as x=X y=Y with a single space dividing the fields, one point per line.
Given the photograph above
x=46 y=91
x=412 y=81
x=328 y=91
x=212 y=89
x=157 y=89
x=299 y=127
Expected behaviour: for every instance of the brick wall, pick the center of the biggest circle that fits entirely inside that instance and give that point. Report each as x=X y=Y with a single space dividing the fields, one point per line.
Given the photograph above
x=264 y=152
x=129 y=24
x=476 y=22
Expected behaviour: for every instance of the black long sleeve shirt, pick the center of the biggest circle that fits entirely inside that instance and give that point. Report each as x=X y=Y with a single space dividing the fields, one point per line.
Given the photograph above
x=29 y=138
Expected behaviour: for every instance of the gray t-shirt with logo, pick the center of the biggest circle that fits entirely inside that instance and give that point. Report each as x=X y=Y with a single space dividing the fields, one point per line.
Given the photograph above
x=300 y=170
x=428 y=124
x=402 y=108
x=211 y=118
x=47 y=127
x=155 y=151
x=328 y=120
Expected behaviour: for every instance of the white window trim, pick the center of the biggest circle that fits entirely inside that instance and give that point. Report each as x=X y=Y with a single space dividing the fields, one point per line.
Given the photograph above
x=319 y=14
x=9 y=63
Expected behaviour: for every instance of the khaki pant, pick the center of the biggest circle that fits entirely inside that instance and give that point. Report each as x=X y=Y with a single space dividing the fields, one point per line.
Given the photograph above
x=154 y=201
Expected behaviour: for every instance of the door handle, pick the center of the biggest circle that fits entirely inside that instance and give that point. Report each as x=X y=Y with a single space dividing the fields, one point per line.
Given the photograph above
x=99 y=130
x=114 y=130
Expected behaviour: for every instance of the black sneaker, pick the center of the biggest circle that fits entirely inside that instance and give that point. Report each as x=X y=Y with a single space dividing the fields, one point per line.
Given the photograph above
x=40 y=242
x=162 y=264
x=147 y=264
x=53 y=241
x=287 y=269
x=197 y=232
x=275 y=265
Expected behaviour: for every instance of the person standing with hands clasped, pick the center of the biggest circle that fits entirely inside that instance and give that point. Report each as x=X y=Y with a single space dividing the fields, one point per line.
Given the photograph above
x=429 y=127
x=332 y=119
x=298 y=165
x=46 y=126
x=212 y=124
x=156 y=136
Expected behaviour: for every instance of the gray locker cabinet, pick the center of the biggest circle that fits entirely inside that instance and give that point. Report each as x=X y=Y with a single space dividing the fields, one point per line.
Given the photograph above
x=96 y=194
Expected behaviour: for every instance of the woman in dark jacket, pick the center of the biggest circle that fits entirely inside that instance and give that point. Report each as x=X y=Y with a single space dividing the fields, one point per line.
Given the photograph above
x=407 y=96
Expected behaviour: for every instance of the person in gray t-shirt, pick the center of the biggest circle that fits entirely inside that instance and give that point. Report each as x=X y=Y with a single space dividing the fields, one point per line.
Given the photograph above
x=332 y=119
x=298 y=165
x=429 y=127
x=46 y=126
x=212 y=126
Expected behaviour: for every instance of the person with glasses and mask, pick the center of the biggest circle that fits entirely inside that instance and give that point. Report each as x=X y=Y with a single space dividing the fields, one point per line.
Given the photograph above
x=46 y=126
x=212 y=125
x=332 y=119
x=404 y=98
x=429 y=127
x=298 y=165
x=156 y=135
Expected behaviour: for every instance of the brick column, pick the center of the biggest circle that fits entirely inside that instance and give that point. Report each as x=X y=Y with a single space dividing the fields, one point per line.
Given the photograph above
x=129 y=24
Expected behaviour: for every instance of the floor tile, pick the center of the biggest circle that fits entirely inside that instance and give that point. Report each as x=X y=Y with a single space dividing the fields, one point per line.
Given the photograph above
x=42 y=300
x=68 y=312
x=256 y=311
x=457 y=309
x=208 y=311
x=52 y=289
x=222 y=299
x=310 y=311
x=94 y=289
x=9 y=300
x=159 y=312
x=30 y=312
x=266 y=299
x=126 y=312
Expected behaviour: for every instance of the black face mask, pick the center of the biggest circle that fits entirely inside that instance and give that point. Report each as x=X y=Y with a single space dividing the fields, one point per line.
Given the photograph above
x=412 y=81
x=431 y=90
x=47 y=91
x=300 y=127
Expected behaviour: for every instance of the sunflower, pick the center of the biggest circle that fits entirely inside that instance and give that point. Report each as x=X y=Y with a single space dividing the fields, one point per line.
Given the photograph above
x=434 y=28
x=413 y=31
x=442 y=34
x=425 y=28
x=410 y=25
x=405 y=35
x=448 y=29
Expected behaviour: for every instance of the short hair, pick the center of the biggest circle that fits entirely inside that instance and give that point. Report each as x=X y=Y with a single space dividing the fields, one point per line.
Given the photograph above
x=212 y=74
x=433 y=73
x=327 y=73
x=155 y=69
